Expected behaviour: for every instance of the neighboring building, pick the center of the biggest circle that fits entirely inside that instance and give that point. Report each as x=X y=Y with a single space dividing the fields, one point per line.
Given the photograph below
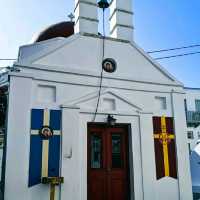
x=3 y=110
x=192 y=108
x=195 y=169
x=123 y=142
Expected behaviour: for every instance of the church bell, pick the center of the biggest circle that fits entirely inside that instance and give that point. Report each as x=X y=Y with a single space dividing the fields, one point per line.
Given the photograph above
x=103 y=4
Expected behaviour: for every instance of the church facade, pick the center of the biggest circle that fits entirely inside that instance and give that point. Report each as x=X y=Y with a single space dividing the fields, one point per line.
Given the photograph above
x=101 y=135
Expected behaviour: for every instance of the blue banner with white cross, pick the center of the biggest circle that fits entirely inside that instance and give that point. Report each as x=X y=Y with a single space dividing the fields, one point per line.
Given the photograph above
x=45 y=145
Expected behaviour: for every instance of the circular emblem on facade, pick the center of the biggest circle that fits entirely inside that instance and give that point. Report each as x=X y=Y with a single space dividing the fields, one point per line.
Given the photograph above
x=109 y=65
x=46 y=132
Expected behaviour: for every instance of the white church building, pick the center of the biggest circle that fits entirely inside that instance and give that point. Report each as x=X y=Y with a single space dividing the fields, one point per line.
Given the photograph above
x=93 y=117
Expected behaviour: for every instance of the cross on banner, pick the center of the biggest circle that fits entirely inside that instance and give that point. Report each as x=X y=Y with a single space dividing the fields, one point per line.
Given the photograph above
x=44 y=145
x=165 y=152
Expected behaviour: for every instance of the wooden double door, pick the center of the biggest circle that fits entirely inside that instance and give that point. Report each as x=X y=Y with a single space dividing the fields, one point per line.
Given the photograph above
x=108 y=177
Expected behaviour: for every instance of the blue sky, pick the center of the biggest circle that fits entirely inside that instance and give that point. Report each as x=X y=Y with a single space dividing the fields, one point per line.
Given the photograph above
x=158 y=24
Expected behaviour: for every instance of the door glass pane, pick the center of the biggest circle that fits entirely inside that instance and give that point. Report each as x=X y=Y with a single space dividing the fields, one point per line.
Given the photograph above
x=96 y=145
x=197 y=104
x=116 y=151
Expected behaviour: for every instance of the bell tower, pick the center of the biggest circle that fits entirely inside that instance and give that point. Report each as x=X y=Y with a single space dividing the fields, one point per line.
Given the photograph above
x=121 y=19
x=86 y=16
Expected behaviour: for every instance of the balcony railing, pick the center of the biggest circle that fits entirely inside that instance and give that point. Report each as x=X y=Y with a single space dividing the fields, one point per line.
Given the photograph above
x=193 y=118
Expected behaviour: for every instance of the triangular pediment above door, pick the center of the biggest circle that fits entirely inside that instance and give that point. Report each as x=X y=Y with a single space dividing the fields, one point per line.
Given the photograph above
x=110 y=101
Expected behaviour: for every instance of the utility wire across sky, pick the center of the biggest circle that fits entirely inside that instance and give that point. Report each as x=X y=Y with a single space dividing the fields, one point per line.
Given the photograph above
x=177 y=55
x=7 y=59
x=173 y=49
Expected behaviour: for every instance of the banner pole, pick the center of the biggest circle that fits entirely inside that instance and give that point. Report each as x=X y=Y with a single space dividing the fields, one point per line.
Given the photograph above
x=52 y=191
x=53 y=181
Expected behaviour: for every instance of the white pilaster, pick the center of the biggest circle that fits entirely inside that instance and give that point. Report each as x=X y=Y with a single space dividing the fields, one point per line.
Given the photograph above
x=121 y=19
x=86 y=16
x=18 y=142
x=71 y=169
x=148 y=156
x=184 y=176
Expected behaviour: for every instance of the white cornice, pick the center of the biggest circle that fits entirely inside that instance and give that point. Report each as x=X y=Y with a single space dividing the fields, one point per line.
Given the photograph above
x=87 y=73
x=84 y=2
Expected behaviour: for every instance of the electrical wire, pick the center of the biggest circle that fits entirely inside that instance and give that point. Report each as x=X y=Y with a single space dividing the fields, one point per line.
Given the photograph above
x=177 y=55
x=2 y=59
x=101 y=76
x=173 y=49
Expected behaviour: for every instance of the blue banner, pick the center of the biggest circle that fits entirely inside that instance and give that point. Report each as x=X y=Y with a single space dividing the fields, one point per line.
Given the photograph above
x=45 y=145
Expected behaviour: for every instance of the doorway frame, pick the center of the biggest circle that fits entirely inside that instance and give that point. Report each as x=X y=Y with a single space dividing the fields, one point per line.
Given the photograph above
x=130 y=169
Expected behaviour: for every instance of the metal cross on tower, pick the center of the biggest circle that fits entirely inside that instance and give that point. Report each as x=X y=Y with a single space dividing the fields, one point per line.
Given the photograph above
x=71 y=17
